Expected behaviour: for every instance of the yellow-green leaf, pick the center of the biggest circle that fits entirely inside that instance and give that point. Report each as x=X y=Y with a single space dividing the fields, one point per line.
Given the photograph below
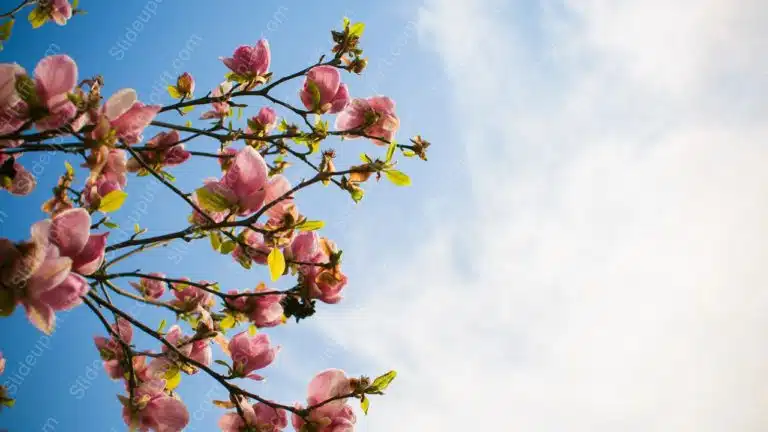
x=172 y=377
x=161 y=327
x=188 y=123
x=136 y=228
x=5 y=29
x=111 y=225
x=391 y=150
x=215 y=240
x=314 y=92
x=365 y=158
x=68 y=166
x=211 y=200
x=276 y=263
x=227 y=247
x=398 y=178
x=187 y=109
x=357 y=29
x=75 y=3
x=365 y=403
x=228 y=322
x=37 y=17
x=310 y=225
x=381 y=383
x=112 y=201
x=174 y=92
x=239 y=113
x=252 y=330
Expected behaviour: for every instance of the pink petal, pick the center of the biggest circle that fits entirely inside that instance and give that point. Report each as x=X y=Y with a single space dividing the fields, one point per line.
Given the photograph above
x=40 y=315
x=327 y=79
x=327 y=384
x=278 y=186
x=70 y=231
x=23 y=182
x=50 y=274
x=353 y=116
x=67 y=294
x=340 y=101
x=167 y=414
x=247 y=174
x=119 y=103
x=231 y=422
x=55 y=75
x=90 y=258
x=263 y=57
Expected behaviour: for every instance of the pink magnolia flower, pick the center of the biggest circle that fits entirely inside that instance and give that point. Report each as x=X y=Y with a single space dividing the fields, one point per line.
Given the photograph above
x=97 y=189
x=376 y=116
x=37 y=277
x=334 y=416
x=323 y=283
x=257 y=251
x=190 y=297
x=14 y=177
x=198 y=218
x=111 y=350
x=250 y=353
x=198 y=350
x=71 y=233
x=260 y=417
x=153 y=409
x=226 y=162
x=150 y=288
x=60 y=12
x=125 y=115
x=263 y=310
x=12 y=108
x=263 y=122
x=55 y=77
x=166 y=152
x=220 y=109
x=242 y=186
x=323 y=91
x=277 y=187
x=249 y=61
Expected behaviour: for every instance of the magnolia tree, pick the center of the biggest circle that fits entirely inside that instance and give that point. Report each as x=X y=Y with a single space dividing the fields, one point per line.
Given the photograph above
x=250 y=212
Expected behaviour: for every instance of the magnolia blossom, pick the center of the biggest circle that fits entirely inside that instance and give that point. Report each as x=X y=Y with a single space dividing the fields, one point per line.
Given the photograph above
x=280 y=204
x=153 y=409
x=60 y=11
x=34 y=274
x=335 y=416
x=250 y=353
x=262 y=123
x=226 y=162
x=96 y=189
x=249 y=61
x=150 y=288
x=11 y=105
x=71 y=232
x=323 y=283
x=122 y=117
x=14 y=177
x=165 y=152
x=220 y=109
x=265 y=310
x=257 y=250
x=375 y=116
x=242 y=186
x=111 y=349
x=190 y=297
x=260 y=417
x=198 y=350
x=323 y=91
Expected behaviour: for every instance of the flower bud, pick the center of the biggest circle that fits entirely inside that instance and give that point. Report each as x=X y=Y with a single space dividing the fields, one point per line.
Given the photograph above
x=185 y=84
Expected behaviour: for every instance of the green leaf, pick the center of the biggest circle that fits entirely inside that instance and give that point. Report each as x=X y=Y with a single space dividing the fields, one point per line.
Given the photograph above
x=8 y=402
x=399 y=178
x=215 y=240
x=112 y=201
x=174 y=92
x=227 y=247
x=365 y=403
x=211 y=200
x=188 y=123
x=283 y=125
x=381 y=383
x=187 y=109
x=357 y=194
x=172 y=377
x=37 y=17
x=5 y=29
x=252 y=330
x=276 y=263
x=391 y=150
x=310 y=225
x=345 y=22
x=239 y=113
x=228 y=322
x=136 y=228
x=161 y=327
x=68 y=167
x=168 y=176
x=365 y=158
x=26 y=89
x=409 y=153
x=357 y=29
x=222 y=362
x=111 y=225
x=314 y=91
x=75 y=3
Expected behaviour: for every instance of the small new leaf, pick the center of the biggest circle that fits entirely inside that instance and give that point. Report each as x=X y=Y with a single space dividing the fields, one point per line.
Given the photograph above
x=174 y=92
x=70 y=170
x=111 y=225
x=310 y=225
x=398 y=178
x=227 y=247
x=172 y=378
x=136 y=228
x=252 y=330
x=215 y=240
x=365 y=403
x=161 y=327
x=5 y=30
x=381 y=383
x=188 y=109
x=228 y=322
x=357 y=29
x=112 y=201
x=391 y=150
x=314 y=91
x=37 y=17
x=276 y=263
x=211 y=200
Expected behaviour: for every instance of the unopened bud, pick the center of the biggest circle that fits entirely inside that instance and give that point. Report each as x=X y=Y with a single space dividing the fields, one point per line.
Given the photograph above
x=185 y=84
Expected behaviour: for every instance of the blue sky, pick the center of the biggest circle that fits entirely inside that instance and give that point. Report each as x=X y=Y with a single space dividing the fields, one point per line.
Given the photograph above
x=584 y=251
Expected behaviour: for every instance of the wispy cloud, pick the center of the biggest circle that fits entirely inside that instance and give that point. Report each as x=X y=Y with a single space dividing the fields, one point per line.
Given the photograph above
x=614 y=274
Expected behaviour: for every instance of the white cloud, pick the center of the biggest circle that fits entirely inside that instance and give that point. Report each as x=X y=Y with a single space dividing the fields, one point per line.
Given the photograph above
x=617 y=270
